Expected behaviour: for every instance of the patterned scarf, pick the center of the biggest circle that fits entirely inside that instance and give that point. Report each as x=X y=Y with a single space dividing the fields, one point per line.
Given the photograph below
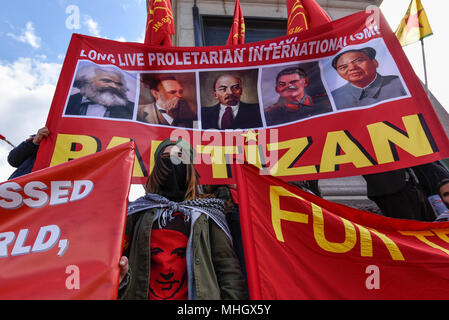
x=211 y=207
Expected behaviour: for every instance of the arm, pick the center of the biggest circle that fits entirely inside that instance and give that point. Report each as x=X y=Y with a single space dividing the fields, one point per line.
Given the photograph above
x=226 y=264
x=20 y=153
x=27 y=148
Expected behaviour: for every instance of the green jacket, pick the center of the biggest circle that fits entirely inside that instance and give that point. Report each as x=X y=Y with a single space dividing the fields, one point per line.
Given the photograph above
x=214 y=265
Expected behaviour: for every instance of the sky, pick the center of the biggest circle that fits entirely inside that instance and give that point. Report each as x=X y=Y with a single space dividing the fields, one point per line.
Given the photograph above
x=34 y=37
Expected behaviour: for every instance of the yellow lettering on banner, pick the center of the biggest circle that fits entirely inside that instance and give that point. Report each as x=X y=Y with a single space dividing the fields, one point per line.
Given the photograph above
x=318 y=232
x=390 y=244
x=154 y=145
x=296 y=147
x=139 y=168
x=413 y=141
x=277 y=215
x=421 y=236
x=366 y=242
x=66 y=145
x=339 y=140
x=218 y=158
x=442 y=234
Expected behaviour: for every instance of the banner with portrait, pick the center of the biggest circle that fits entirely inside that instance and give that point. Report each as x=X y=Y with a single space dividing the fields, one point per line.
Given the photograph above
x=338 y=100
x=300 y=246
x=62 y=229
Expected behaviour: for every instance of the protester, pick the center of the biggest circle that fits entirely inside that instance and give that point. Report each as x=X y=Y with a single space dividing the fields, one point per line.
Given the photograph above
x=23 y=156
x=398 y=195
x=230 y=112
x=430 y=176
x=178 y=243
x=443 y=188
x=444 y=191
x=231 y=210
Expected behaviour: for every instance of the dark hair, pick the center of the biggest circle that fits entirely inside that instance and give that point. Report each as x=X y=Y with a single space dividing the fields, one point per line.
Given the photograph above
x=291 y=70
x=442 y=183
x=155 y=179
x=370 y=52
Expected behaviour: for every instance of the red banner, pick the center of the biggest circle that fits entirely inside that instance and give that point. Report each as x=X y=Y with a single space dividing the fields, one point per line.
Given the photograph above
x=61 y=229
x=295 y=112
x=299 y=246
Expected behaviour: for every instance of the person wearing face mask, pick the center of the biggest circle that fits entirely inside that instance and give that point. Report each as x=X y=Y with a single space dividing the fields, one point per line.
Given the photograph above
x=177 y=244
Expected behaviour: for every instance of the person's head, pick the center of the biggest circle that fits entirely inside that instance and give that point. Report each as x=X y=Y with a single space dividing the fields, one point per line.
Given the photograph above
x=166 y=91
x=443 y=188
x=291 y=83
x=174 y=175
x=358 y=66
x=103 y=85
x=227 y=90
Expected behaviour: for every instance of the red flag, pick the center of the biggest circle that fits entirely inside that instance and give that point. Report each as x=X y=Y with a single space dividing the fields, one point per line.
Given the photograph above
x=237 y=34
x=62 y=228
x=160 y=23
x=299 y=246
x=304 y=14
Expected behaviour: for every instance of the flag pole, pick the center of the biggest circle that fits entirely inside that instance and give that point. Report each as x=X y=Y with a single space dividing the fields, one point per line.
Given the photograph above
x=8 y=142
x=425 y=67
x=2 y=137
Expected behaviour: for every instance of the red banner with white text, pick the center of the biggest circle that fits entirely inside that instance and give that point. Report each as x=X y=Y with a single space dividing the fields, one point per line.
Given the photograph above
x=337 y=100
x=299 y=246
x=61 y=229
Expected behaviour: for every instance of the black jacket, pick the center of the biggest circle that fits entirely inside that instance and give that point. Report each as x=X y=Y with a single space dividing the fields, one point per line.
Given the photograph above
x=23 y=157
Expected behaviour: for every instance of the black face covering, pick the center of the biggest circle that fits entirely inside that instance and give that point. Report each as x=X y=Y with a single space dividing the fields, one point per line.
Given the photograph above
x=173 y=180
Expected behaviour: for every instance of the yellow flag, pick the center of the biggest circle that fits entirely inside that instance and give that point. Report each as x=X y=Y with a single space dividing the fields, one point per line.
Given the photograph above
x=414 y=26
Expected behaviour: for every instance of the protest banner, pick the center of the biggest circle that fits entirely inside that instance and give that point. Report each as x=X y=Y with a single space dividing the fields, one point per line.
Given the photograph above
x=299 y=246
x=110 y=92
x=62 y=228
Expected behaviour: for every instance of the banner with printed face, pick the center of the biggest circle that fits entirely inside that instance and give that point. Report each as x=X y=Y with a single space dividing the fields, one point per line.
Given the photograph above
x=299 y=246
x=61 y=229
x=337 y=100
